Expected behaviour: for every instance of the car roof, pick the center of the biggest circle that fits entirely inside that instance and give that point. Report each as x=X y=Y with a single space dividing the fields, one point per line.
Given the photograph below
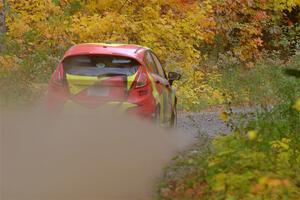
x=126 y=50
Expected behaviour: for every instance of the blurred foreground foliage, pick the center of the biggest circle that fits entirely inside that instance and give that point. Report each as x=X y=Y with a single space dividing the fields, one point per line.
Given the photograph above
x=196 y=38
x=261 y=158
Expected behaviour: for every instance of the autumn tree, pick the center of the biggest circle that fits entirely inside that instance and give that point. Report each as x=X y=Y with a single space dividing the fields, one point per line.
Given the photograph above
x=245 y=28
x=185 y=34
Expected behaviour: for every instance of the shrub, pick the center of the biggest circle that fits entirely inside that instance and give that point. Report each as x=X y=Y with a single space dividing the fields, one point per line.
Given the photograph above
x=261 y=158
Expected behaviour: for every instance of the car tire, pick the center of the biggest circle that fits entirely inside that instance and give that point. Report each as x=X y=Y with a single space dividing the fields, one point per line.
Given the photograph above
x=174 y=118
x=157 y=116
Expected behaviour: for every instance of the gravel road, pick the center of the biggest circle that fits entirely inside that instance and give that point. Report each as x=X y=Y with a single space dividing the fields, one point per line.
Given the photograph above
x=209 y=122
x=203 y=122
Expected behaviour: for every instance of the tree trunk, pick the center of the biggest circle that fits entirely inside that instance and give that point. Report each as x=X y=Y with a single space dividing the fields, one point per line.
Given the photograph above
x=2 y=22
x=2 y=17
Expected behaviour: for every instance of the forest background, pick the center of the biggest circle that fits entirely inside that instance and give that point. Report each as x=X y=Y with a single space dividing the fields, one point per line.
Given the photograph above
x=203 y=40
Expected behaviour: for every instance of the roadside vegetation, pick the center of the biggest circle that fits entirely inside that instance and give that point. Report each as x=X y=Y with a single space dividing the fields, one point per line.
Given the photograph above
x=231 y=53
x=260 y=159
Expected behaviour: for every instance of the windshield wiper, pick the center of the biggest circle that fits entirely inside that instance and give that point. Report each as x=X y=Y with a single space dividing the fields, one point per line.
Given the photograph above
x=102 y=72
x=114 y=72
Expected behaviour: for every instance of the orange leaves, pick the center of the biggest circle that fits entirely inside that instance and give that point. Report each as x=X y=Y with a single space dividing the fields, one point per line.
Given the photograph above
x=179 y=190
x=266 y=184
x=224 y=116
x=188 y=4
x=260 y=15
x=241 y=23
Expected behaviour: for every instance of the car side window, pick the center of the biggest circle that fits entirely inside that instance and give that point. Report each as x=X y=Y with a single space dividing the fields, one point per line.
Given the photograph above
x=160 y=69
x=150 y=63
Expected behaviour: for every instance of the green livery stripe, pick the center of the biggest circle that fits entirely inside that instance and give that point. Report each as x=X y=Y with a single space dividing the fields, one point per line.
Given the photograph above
x=78 y=83
x=130 y=80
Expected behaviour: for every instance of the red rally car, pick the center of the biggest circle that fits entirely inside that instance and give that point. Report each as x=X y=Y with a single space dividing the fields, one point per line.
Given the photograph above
x=129 y=77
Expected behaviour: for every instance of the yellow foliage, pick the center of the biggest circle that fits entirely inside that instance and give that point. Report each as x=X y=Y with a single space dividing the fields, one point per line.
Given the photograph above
x=30 y=15
x=33 y=11
x=297 y=105
x=285 y=4
x=224 y=116
x=172 y=28
x=96 y=28
x=175 y=29
x=18 y=28
x=9 y=62
x=252 y=135
x=281 y=145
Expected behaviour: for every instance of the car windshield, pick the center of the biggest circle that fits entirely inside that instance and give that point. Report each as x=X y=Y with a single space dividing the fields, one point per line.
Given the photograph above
x=100 y=65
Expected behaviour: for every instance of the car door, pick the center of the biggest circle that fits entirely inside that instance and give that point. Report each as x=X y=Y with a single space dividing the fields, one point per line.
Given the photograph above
x=162 y=85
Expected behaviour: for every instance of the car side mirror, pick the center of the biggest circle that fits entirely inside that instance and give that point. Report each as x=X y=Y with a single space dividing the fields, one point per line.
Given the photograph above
x=173 y=76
